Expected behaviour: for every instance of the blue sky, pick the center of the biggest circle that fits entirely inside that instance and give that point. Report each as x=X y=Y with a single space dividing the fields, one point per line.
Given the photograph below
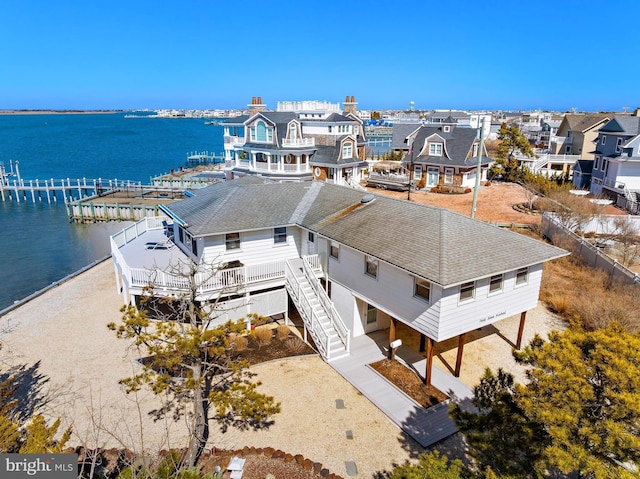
x=126 y=54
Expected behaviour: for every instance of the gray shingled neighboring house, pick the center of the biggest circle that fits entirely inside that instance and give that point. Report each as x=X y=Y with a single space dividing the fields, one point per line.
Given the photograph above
x=445 y=156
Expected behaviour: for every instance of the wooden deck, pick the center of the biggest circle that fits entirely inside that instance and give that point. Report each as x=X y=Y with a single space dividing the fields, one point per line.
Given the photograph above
x=426 y=426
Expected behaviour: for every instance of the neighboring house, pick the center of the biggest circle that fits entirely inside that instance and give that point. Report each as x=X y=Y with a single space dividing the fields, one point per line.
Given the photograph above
x=446 y=155
x=576 y=134
x=351 y=263
x=400 y=136
x=582 y=174
x=301 y=141
x=616 y=166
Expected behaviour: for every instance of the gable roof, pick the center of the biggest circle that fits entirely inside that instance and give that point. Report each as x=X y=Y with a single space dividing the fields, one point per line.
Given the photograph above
x=579 y=122
x=584 y=166
x=628 y=125
x=399 y=135
x=436 y=244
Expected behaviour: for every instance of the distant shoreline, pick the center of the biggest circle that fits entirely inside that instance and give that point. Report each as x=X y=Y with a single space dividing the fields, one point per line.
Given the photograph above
x=59 y=112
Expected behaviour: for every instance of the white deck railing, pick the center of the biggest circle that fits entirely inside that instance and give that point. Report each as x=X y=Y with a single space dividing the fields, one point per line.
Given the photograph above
x=318 y=332
x=298 y=142
x=321 y=294
x=132 y=232
x=224 y=279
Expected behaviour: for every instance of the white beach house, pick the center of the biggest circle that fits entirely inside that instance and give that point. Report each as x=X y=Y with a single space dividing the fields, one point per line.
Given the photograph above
x=352 y=263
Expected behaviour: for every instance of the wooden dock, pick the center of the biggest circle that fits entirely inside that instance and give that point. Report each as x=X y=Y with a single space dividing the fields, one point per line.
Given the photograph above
x=69 y=189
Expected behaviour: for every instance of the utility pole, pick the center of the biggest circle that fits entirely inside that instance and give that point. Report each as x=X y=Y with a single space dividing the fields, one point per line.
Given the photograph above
x=410 y=171
x=478 y=170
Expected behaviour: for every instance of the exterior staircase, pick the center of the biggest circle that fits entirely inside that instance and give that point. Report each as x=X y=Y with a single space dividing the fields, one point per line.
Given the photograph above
x=318 y=313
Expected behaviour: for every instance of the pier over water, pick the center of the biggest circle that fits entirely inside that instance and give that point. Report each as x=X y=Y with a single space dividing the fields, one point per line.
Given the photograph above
x=14 y=188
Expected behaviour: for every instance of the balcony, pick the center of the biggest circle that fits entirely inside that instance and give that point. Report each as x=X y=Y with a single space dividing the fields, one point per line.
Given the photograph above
x=613 y=184
x=298 y=142
x=561 y=140
x=141 y=266
x=234 y=140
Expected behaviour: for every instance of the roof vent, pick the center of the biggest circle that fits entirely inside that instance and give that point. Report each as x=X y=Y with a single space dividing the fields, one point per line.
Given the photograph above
x=368 y=198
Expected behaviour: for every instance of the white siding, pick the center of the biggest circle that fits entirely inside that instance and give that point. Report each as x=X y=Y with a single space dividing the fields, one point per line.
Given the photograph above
x=629 y=174
x=457 y=318
x=265 y=304
x=345 y=304
x=256 y=247
x=391 y=292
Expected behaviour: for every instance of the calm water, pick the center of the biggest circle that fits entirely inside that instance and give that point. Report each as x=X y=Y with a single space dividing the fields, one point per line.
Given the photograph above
x=37 y=243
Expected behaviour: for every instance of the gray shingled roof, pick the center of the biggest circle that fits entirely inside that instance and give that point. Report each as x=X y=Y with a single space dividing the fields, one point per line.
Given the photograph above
x=458 y=143
x=629 y=125
x=438 y=245
x=399 y=134
x=581 y=122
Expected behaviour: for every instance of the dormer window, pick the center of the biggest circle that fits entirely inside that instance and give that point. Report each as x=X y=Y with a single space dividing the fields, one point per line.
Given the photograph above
x=446 y=129
x=347 y=150
x=435 y=149
x=293 y=132
x=261 y=132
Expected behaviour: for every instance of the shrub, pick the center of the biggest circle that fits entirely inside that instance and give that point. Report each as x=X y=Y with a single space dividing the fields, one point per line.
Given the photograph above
x=295 y=344
x=263 y=336
x=283 y=331
x=239 y=343
x=467 y=190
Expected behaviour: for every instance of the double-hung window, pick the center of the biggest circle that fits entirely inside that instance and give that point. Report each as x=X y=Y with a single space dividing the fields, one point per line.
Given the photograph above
x=522 y=276
x=448 y=176
x=422 y=289
x=467 y=290
x=495 y=283
x=371 y=266
x=280 y=235
x=334 y=251
x=232 y=241
x=435 y=149
x=347 y=150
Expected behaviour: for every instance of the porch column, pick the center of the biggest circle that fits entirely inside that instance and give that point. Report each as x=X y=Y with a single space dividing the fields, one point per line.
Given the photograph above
x=253 y=161
x=269 y=162
x=392 y=330
x=297 y=163
x=429 y=355
x=459 y=356
x=118 y=287
x=523 y=316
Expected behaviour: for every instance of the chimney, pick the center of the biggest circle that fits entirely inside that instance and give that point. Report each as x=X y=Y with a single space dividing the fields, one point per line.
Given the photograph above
x=350 y=105
x=256 y=105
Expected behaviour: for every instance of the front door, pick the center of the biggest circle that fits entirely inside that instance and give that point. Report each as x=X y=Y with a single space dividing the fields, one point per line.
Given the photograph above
x=432 y=176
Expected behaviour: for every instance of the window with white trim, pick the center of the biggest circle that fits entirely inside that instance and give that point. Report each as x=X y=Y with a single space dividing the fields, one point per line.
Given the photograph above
x=312 y=237
x=422 y=289
x=618 y=144
x=495 y=283
x=475 y=150
x=347 y=150
x=280 y=235
x=596 y=163
x=371 y=266
x=604 y=139
x=522 y=276
x=232 y=241
x=467 y=290
x=334 y=250
x=435 y=149
x=448 y=176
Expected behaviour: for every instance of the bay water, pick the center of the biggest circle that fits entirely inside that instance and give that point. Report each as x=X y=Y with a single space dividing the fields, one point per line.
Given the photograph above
x=38 y=244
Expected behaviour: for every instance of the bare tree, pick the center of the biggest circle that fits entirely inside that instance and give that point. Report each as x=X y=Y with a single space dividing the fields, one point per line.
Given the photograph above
x=192 y=361
x=627 y=235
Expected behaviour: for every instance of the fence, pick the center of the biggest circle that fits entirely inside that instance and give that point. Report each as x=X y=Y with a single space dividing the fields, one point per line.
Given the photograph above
x=590 y=254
